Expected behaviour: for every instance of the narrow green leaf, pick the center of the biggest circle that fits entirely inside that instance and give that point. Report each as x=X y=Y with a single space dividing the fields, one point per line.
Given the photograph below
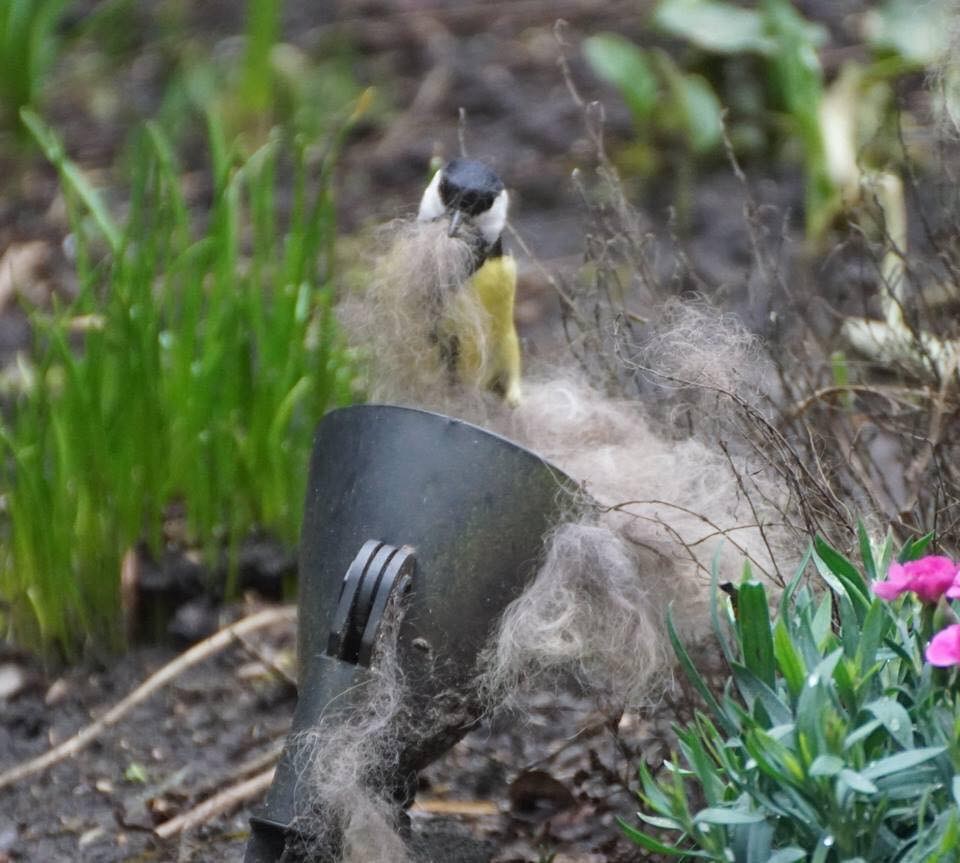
x=790 y=600
x=753 y=689
x=874 y=629
x=842 y=570
x=651 y=844
x=857 y=781
x=826 y=765
x=788 y=855
x=901 y=761
x=72 y=177
x=719 y=631
x=822 y=849
x=915 y=548
x=895 y=718
x=866 y=552
x=822 y=624
x=861 y=733
x=651 y=792
x=618 y=61
x=660 y=821
x=714 y=815
x=886 y=554
x=695 y=677
x=788 y=659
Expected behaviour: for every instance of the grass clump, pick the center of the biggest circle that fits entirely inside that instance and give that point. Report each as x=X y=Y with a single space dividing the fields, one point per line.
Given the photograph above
x=192 y=368
x=28 y=45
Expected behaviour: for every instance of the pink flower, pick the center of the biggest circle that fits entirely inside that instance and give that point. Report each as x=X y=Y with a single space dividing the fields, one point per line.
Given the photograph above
x=929 y=578
x=944 y=649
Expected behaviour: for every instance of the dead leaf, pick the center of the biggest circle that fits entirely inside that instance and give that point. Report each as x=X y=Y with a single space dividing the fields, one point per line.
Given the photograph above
x=21 y=272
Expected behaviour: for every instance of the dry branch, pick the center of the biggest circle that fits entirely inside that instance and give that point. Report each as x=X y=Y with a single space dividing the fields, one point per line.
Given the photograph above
x=217 y=642
x=226 y=801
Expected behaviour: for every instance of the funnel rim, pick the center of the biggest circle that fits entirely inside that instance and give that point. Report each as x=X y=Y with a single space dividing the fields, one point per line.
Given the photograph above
x=525 y=451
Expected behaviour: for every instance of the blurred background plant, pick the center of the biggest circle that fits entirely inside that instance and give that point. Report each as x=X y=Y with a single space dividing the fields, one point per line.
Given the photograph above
x=204 y=362
x=762 y=66
x=176 y=387
x=833 y=739
x=28 y=46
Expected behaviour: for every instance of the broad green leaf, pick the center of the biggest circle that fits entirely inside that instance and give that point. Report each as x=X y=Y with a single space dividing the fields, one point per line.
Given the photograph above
x=918 y=31
x=714 y=26
x=696 y=107
x=618 y=61
x=753 y=623
x=703 y=111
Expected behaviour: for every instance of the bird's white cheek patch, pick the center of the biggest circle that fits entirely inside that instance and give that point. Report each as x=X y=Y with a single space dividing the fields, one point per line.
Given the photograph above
x=431 y=207
x=490 y=223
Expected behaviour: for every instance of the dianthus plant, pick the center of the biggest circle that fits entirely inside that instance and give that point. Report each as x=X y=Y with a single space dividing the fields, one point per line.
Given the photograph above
x=837 y=736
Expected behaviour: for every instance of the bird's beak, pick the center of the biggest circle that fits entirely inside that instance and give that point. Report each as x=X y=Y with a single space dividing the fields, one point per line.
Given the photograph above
x=455 y=221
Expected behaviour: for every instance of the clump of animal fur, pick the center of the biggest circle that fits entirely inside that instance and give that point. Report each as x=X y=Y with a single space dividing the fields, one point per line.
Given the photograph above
x=414 y=318
x=658 y=511
x=345 y=803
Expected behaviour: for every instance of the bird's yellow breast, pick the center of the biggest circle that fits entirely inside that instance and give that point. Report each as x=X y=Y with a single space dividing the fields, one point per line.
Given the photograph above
x=490 y=355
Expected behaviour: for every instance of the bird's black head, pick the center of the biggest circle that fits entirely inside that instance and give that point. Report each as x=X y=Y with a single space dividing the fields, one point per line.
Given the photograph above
x=467 y=191
x=469 y=186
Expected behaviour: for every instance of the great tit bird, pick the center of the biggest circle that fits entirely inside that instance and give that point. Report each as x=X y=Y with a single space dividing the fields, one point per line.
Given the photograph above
x=474 y=199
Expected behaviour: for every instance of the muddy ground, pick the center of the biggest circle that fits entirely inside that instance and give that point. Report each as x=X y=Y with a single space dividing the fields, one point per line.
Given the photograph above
x=549 y=781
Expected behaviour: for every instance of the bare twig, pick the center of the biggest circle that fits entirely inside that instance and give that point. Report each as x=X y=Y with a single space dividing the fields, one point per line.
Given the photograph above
x=196 y=654
x=226 y=801
x=268 y=662
x=462 y=132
